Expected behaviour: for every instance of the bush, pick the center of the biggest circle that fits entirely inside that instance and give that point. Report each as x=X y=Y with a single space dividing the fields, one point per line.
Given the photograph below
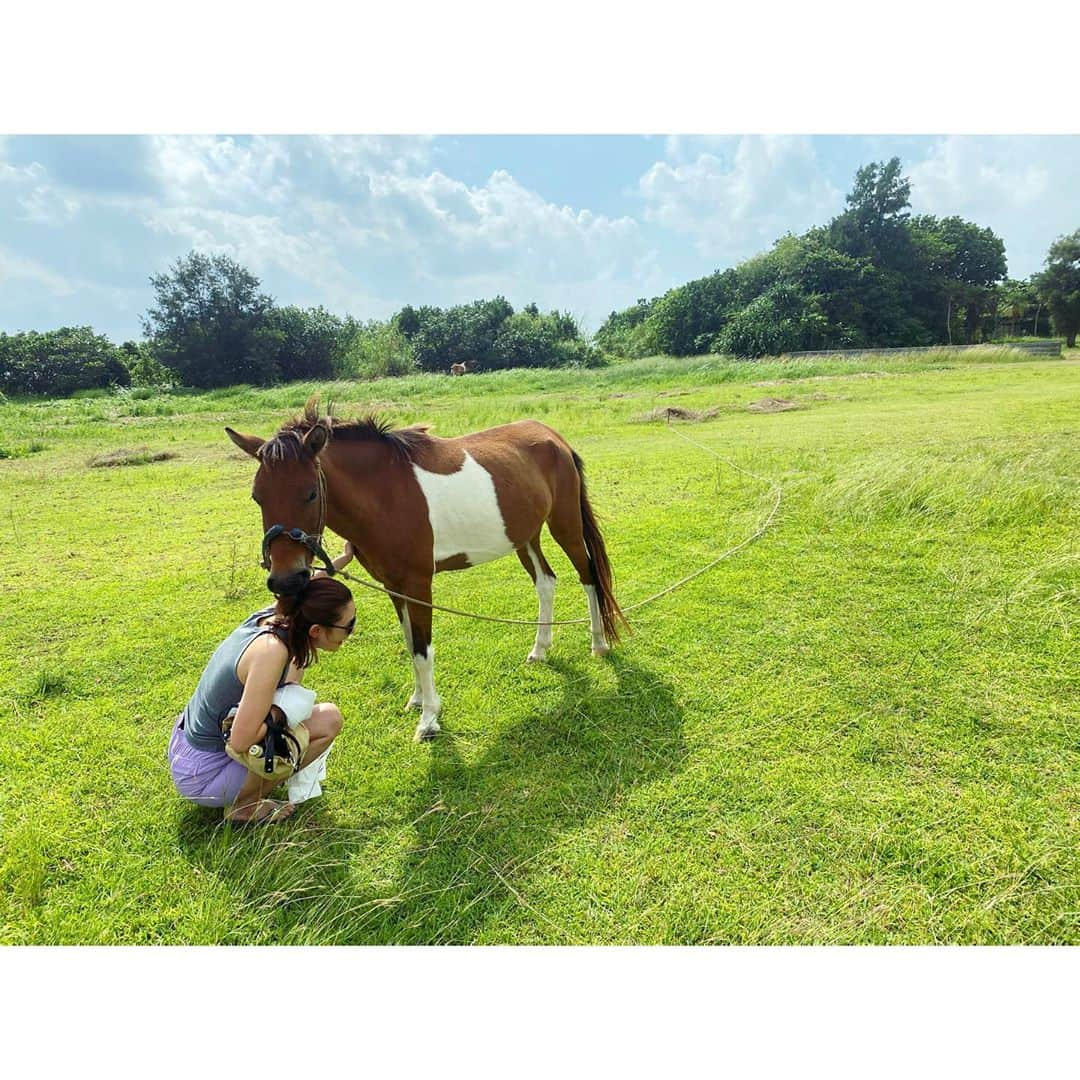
x=780 y=320
x=440 y=337
x=535 y=340
x=59 y=362
x=629 y=333
x=578 y=353
x=686 y=320
x=492 y=336
x=377 y=350
x=307 y=344
x=145 y=370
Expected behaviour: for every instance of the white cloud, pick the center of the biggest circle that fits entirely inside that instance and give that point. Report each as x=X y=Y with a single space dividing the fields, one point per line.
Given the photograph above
x=367 y=224
x=459 y=242
x=497 y=219
x=1023 y=187
x=204 y=169
x=366 y=218
x=16 y=268
x=737 y=205
x=37 y=200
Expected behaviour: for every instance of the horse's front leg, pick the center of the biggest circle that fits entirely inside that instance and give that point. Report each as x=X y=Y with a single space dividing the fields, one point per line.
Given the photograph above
x=417 y=698
x=417 y=626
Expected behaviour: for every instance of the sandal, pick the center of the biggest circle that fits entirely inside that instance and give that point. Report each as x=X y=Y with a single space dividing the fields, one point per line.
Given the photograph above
x=264 y=812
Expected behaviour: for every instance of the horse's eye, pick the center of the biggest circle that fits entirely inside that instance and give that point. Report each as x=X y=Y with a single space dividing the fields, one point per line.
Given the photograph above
x=311 y=497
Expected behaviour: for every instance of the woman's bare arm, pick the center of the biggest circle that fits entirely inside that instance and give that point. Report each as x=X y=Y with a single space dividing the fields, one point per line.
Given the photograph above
x=340 y=562
x=259 y=671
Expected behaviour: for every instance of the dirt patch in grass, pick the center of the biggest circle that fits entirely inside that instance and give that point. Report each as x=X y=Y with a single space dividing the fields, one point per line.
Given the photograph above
x=772 y=404
x=675 y=412
x=141 y=455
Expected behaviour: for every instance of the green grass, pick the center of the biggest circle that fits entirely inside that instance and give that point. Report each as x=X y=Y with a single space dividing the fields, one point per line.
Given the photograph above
x=862 y=728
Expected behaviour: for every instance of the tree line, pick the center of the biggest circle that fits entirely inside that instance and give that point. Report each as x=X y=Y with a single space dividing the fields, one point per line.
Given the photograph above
x=874 y=276
x=211 y=325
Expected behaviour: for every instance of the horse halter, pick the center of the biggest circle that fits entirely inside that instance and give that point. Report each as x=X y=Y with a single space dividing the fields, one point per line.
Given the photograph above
x=312 y=541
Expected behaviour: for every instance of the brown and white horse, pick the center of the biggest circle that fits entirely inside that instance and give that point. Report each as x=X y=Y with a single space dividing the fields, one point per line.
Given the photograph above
x=412 y=505
x=461 y=369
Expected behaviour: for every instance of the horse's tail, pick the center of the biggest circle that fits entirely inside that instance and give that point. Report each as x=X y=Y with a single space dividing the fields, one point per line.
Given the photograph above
x=599 y=566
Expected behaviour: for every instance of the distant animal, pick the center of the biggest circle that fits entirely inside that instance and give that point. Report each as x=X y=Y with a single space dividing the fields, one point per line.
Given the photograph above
x=412 y=505
x=462 y=368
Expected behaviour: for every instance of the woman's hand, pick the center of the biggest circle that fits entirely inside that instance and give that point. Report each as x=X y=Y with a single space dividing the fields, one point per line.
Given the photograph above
x=340 y=562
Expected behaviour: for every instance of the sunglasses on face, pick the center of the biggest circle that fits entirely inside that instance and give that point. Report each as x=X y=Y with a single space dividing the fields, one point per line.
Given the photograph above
x=349 y=627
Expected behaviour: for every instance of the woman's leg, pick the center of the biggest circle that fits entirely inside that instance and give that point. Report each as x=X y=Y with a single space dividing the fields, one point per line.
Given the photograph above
x=323 y=726
x=251 y=802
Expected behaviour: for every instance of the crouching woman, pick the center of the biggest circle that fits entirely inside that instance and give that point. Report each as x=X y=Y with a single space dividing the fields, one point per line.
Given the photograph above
x=266 y=652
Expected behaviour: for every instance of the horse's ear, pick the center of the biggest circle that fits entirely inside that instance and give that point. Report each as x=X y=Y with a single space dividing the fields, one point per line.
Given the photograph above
x=316 y=439
x=250 y=444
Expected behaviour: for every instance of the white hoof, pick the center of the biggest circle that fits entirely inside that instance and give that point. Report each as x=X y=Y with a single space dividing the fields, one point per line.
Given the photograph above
x=601 y=649
x=537 y=656
x=425 y=732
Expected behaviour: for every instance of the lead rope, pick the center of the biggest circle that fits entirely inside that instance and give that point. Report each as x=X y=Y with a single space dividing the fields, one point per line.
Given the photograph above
x=633 y=607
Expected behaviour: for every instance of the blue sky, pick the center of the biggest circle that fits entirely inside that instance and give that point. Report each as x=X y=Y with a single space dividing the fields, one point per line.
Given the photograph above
x=363 y=225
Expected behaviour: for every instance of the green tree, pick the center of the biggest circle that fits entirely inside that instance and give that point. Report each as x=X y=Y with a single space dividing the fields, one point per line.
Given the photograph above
x=143 y=366
x=873 y=277
x=1018 y=303
x=308 y=343
x=783 y=319
x=211 y=324
x=846 y=287
x=627 y=333
x=525 y=340
x=376 y=350
x=59 y=362
x=1058 y=286
x=961 y=263
x=873 y=224
x=686 y=320
x=440 y=337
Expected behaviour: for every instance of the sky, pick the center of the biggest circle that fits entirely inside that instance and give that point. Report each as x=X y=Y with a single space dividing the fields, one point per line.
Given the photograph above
x=365 y=224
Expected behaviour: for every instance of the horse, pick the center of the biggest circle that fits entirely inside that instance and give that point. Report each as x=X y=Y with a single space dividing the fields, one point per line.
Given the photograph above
x=461 y=369
x=413 y=504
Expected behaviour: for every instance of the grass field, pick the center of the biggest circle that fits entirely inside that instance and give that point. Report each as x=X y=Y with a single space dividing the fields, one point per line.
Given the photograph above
x=862 y=728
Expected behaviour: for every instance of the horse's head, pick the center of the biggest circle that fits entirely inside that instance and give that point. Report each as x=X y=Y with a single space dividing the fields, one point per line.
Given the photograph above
x=290 y=490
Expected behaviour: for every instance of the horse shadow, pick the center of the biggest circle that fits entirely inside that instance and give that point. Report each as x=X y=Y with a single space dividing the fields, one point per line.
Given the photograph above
x=477 y=829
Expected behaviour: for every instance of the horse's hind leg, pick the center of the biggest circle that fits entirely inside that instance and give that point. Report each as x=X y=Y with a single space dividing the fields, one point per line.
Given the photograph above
x=565 y=525
x=532 y=558
x=418 y=639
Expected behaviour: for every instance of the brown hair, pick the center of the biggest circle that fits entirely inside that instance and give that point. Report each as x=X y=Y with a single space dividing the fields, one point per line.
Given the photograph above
x=318 y=605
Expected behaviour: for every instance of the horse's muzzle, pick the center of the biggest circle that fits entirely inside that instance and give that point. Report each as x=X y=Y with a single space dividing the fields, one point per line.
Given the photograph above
x=289 y=584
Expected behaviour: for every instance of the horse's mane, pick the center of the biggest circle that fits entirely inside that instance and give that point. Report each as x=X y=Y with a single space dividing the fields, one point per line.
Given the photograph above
x=287 y=444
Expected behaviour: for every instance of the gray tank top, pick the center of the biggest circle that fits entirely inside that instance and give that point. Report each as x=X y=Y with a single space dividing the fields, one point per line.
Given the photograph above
x=219 y=689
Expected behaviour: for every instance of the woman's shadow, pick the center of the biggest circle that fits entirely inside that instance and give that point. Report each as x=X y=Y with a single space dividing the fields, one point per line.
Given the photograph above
x=481 y=827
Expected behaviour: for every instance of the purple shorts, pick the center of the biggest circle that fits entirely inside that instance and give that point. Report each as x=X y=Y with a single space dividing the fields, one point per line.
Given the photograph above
x=203 y=776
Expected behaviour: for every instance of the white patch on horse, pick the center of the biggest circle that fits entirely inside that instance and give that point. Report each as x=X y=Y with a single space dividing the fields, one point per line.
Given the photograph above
x=464 y=513
x=545 y=592
x=424 y=667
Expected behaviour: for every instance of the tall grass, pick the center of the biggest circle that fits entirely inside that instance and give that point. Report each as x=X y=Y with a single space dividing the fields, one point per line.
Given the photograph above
x=862 y=728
